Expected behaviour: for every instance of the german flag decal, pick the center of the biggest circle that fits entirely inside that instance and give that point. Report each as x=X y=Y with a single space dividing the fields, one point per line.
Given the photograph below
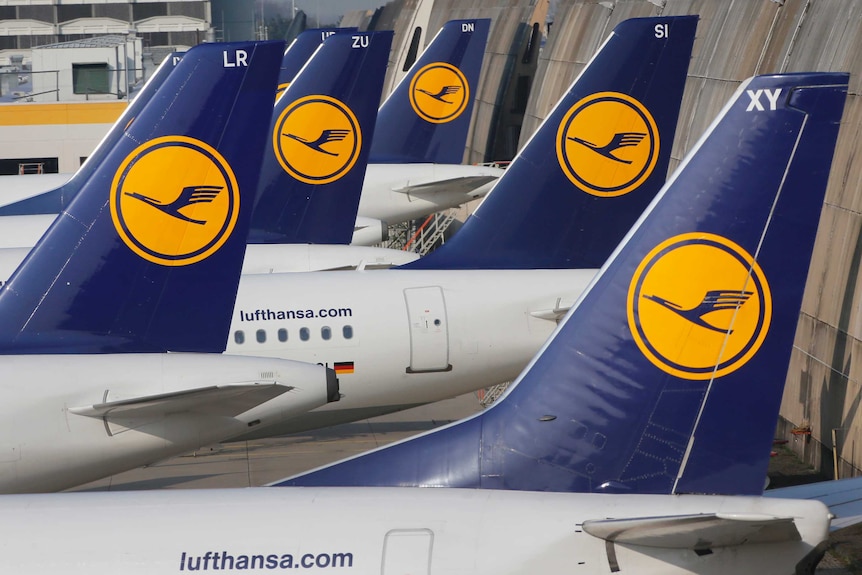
x=342 y=367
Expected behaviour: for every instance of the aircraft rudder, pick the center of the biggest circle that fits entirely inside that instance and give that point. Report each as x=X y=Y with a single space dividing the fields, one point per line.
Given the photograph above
x=427 y=116
x=734 y=460
x=173 y=187
x=321 y=132
x=598 y=159
x=676 y=383
x=666 y=376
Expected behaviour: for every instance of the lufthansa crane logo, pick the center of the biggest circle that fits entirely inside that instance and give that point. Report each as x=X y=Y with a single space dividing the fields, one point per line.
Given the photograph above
x=174 y=201
x=439 y=92
x=317 y=139
x=699 y=306
x=607 y=144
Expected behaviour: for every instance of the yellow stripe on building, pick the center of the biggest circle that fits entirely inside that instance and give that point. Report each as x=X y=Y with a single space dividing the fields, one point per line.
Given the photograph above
x=28 y=114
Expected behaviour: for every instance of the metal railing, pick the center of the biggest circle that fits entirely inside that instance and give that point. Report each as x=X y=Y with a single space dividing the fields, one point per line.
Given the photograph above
x=31 y=168
x=431 y=231
x=28 y=86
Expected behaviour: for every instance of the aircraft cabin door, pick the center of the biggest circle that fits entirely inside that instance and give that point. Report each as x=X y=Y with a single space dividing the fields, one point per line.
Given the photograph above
x=429 y=330
x=407 y=552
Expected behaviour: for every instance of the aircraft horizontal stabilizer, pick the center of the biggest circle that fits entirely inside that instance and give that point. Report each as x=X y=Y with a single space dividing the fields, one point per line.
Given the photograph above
x=555 y=314
x=695 y=531
x=466 y=185
x=226 y=400
x=843 y=498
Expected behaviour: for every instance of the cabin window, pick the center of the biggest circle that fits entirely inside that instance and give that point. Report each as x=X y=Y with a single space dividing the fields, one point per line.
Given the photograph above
x=347 y=332
x=239 y=337
x=282 y=334
x=260 y=336
x=304 y=333
x=326 y=332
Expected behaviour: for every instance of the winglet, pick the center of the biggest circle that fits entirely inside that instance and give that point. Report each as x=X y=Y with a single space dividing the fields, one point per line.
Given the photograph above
x=595 y=163
x=322 y=126
x=54 y=201
x=427 y=116
x=128 y=267
x=630 y=396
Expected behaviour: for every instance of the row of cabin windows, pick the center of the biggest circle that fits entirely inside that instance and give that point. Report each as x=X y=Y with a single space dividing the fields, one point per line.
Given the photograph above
x=304 y=334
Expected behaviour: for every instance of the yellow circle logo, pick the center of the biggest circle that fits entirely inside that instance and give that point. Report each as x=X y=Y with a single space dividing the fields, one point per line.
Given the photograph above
x=607 y=144
x=698 y=306
x=174 y=201
x=316 y=139
x=439 y=93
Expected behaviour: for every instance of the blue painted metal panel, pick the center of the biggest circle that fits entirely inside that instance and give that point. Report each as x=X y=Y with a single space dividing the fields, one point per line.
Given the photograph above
x=147 y=256
x=599 y=158
x=426 y=118
x=321 y=131
x=667 y=375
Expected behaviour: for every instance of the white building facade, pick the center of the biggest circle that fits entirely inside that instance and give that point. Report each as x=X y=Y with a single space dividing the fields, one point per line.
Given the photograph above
x=67 y=68
x=25 y=24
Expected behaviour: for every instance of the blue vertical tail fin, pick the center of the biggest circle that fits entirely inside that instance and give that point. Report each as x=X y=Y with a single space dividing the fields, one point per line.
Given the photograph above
x=300 y=50
x=594 y=164
x=321 y=130
x=147 y=257
x=54 y=201
x=426 y=117
x=667 y=375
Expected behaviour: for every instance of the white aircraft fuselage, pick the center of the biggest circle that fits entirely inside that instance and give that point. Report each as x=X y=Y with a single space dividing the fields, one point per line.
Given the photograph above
x=396 y=338
x=53 y=438
x=384 y=531
x=401 y=338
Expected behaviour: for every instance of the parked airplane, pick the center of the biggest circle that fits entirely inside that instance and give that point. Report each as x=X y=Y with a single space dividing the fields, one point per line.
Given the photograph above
x=422 y=178
x=403 y=337
x=730 y=216
x=707 y=300
x=144 y=261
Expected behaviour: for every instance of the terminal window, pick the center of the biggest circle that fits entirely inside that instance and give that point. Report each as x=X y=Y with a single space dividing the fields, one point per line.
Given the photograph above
x=90 y=78
x=20 y=166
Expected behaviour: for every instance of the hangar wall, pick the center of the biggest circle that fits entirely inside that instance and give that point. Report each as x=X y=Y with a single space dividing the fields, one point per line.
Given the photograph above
x=737 y=39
